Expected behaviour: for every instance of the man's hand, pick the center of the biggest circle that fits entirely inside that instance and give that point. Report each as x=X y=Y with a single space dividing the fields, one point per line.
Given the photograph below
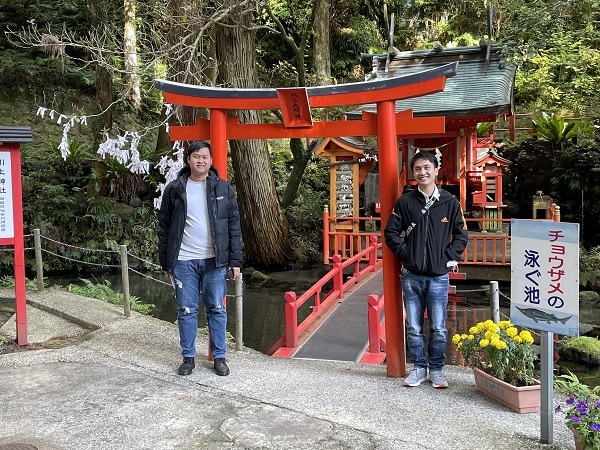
x=233 y=272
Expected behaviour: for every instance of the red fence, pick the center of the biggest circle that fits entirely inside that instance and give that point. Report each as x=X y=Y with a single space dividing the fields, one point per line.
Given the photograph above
x=369 y=261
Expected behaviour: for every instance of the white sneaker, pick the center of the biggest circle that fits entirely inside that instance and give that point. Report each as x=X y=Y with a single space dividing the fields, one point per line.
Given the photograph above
x=438 y=379
x=416 y=377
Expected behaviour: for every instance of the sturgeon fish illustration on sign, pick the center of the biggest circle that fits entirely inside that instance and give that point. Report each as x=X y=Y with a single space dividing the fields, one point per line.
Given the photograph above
x=538 y=315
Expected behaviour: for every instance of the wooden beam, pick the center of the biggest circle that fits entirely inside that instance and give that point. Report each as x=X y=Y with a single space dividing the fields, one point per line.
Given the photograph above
x=406 y=125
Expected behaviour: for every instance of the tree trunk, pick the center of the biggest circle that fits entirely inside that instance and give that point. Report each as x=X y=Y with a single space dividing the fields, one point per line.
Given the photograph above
x=132 y=84
x=301 y=158
x=264 y=227
x=104 y=83
x=321 y=59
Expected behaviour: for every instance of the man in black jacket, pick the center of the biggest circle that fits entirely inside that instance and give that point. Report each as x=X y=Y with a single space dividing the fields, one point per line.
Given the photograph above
x=199 y=241
x=428 y=232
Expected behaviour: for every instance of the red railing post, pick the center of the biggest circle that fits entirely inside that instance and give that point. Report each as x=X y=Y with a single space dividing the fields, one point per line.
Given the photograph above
x=373 y=252
x=326 y=234
x=291 y=320
x=338 y=277
x=373 y=320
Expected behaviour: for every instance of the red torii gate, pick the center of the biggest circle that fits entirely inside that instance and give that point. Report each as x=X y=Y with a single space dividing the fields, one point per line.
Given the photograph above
x=295 y=105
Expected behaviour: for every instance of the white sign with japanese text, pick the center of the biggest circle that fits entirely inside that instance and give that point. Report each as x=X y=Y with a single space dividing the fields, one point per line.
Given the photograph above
x=6 y=200
x=545 y=276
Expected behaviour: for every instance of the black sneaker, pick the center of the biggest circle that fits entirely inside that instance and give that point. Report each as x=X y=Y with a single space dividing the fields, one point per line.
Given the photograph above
x=187 y=366
x=221 y=367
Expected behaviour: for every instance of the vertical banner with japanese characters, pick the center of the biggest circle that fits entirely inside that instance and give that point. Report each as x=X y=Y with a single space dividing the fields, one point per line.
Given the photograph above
x=545 y=276
x=6 y=197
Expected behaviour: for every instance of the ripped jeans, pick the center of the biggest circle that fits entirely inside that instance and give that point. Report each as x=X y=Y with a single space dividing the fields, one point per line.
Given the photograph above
x=188 y=277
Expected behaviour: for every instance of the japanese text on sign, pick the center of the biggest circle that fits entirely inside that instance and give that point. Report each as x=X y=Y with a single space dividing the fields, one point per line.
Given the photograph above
x=6 y=201
x=545 y=276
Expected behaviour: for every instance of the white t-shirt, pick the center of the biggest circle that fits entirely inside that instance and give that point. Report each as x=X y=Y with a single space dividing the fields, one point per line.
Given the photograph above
x=197 y=242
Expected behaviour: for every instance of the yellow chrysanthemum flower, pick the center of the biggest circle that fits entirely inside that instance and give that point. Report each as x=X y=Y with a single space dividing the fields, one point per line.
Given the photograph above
x=484 y=343
x=463 y=336
x=456 y=338
x=512 y=331
x=470 y=337
x=504 y=324
x=517 y=339
x=490 y=334
x=473 y=330
x=526 y=336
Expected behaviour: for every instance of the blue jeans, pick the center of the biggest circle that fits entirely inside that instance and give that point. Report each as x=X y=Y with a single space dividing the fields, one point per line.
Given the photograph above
x=421 y=293
x=189 y=276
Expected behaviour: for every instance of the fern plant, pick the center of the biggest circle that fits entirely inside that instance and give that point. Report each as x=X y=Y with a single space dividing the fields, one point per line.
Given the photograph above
x=589 y=268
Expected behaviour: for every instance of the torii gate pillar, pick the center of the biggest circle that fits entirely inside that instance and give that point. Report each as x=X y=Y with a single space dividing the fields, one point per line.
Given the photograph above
x=388 y=187
x=218 y=140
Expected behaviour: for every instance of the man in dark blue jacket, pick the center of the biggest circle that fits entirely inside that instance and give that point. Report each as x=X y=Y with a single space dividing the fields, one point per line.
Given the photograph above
x=199 y=241
x=428 y=232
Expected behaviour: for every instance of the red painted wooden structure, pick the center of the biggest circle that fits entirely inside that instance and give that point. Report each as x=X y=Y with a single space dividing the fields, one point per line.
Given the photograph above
x=296 y=105
x=11 y=215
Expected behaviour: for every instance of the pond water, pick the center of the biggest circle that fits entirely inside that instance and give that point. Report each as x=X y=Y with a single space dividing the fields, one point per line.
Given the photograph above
x=263 y=313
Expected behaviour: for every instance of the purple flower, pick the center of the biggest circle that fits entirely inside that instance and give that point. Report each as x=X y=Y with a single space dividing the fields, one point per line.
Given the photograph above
x=582 y=408
x=575 y=419
x=595 y=427
x=570 y=400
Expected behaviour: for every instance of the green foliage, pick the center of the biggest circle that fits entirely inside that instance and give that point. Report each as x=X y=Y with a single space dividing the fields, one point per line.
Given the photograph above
x=359 y=35
x=570 y=385
x=483 y=128
x=305 y=214
x=568 y=173
x=589 y=267
x=103 y=291
x=7 y=281
x=559 y=69
x=581 y=409
x=575 y=187
x=62 y=200
x=554 y=128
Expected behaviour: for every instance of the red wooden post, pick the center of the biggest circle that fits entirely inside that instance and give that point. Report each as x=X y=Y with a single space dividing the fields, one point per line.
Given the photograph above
x=338 y=278
x=374 y=319
x=388 y=187
x=291 y=320
x=19 y=246
x=11 y=216
x=373 y=252
x=326 y=234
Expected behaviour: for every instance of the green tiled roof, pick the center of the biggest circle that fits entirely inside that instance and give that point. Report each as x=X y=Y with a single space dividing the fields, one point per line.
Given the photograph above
x=480 y=86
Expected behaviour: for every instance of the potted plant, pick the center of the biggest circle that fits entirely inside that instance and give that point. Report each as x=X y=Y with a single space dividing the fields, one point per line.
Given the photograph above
x=503 y=363
x=581 y=410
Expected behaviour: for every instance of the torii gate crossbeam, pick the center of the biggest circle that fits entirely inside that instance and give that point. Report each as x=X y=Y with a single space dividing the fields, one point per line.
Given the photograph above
x=295 y=105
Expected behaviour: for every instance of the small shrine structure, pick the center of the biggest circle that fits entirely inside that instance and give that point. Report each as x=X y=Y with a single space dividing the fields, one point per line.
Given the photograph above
x=350 y=162
x=481 y=92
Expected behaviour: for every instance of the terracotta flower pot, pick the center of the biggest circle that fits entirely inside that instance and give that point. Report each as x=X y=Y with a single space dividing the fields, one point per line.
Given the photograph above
x=522 y=399
x=578 y=445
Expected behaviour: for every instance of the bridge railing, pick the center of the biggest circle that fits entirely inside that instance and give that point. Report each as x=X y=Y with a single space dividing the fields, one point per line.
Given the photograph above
x=363 y=263
x=490 y=246
x=375 y=353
